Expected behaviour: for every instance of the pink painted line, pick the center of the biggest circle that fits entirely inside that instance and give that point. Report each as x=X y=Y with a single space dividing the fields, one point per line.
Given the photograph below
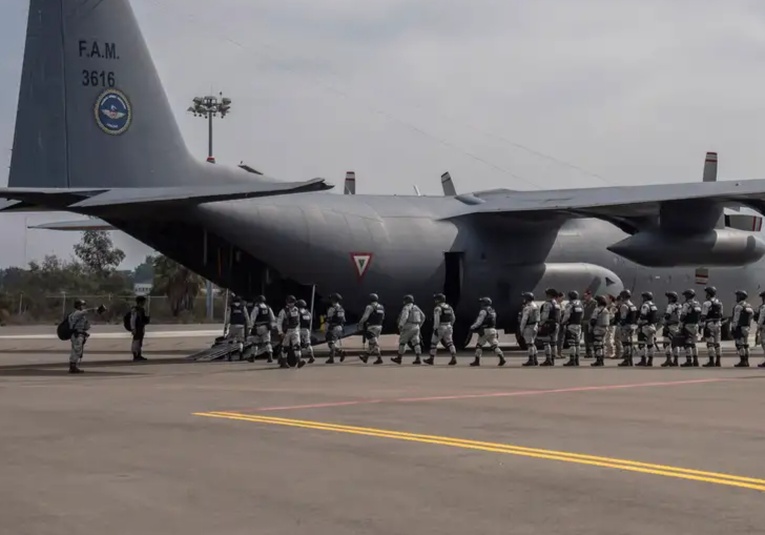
x=492 y=394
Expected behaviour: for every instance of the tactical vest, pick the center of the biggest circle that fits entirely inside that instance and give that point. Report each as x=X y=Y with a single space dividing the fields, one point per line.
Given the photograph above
x=653 y=316
x=631 y=317
x=602 y=318
x=447 y=315
x=377 y=315
x=237 y=316
x=338 y=318
x=533 y=314
x=671 y=315
x=553 y=317
x=416 y=317
x=291 y=318
x=715 y=310
x=577 y=313
x=263 y=317
x=305 y=319
x=490 y=320
x=693 y=316
x=745 y=317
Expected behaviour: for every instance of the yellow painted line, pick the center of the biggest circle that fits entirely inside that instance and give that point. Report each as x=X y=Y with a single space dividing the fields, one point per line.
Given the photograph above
x=591 y=460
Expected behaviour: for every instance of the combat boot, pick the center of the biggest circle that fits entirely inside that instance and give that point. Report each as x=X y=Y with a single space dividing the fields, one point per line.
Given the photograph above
x=396 y=359
x=674 y=361
x=667 y=362
x=598 y=362
x=627 y=361
x=430 y=361
x=342 y=355
x=688 y=363
x=364 y=358
x=710 y=363
x=74 y=369
x=642 y=362
x=417 y=361
x=453 y=362
x=761 y=365
x=548 y=362
x=649 y=362
x=270 y=358
x=311 y=359
x=502 y=361
x=570 y=362
x=378 y=361
x=476 y=362
x=743 y=363
x=718 y=364
x=695 y=361
x=531 y=362
x=301 y=363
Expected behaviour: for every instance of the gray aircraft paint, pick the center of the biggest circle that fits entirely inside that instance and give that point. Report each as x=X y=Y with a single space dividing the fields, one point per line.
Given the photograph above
x=140 y=178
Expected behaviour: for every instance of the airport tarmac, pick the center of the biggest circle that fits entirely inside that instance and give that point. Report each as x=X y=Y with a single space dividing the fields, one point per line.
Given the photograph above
x=230 y=448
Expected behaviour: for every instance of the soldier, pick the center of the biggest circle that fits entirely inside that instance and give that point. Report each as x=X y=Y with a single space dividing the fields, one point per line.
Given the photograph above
x=613 y=346
x=486 y=327
x=561 y=342
x=572 y=326
x=235 y=324
x=600 y=321
x=711 y=320
x=138 y=322
x=305 y=330
x=671 y=330
x=409 y=322
x=335 y=323
x=648 y=317
x=529 y=326
x=288 y=326
x=79 y=327
x=627 y=325
x=549 y=317
x=443 y=329
x=590 y=304
x=690 y=316
x=263 y=322
x=760 y=319
x=740 y=323
x=371 y=323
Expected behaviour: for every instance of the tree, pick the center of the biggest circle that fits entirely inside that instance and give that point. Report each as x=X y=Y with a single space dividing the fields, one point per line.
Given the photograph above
x=177 y=282
x=145 y=272
x=98 y=253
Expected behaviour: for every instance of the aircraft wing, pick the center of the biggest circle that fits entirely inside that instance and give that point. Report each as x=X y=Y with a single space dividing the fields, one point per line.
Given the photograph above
x=76 y=225
x=69 y=199
x=620 y=202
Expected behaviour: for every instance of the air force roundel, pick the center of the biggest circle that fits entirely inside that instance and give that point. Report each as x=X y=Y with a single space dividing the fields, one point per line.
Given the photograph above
x=113 y=112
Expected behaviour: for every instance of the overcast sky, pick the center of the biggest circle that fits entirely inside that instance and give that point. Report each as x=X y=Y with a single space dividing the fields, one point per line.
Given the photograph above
x=502 y=93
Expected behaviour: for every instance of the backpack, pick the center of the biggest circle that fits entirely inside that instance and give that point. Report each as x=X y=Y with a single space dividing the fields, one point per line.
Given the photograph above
x=64 y=330
x=126 y=320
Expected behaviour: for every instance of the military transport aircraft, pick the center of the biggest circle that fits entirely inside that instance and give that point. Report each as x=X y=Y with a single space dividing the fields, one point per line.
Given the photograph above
x=95 y=135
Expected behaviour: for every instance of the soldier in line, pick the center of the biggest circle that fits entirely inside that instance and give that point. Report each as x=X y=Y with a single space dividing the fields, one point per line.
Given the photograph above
x=613 y=345
x=760 y=319
x=236 y=323
x=335 y=323
x=648 y=317
x=711 y=321
x=671 y=330
x=305 y=330
x=529 y=326
x=409 y=322
x=288 y=326
x=740 y=324
x=443 y=329
x=590 y=304
x=371 y=323
x=572 y=326
x=600 y=322
x=263 y=322
x=549 y=317
x=690 y=316
x=138 y=322
x=627 y=325
x=79 y=327
x=486 y=327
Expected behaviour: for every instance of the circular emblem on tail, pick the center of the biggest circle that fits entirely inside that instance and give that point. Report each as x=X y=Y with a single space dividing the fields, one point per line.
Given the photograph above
x=113 y=112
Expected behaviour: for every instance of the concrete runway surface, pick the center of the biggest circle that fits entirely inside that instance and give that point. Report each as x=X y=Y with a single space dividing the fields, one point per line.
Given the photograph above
x=239 y=448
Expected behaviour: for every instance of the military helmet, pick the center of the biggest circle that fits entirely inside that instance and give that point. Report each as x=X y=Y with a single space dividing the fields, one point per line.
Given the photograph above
x=336 y=297
x=260 y=299
x=625 y=294
x=301 y=303
x=486 y=301
x=408 y=298
x=527 y=296
x=374 y=298
x=601 y=300
x=671 y=295
x=741 y=294
x=648 y=296
x=573 y=294
x=551 y=292
x=711 y=291
x=690 y=292
x=79 y=303
x=439 y=298
x=235 y=298
x=290 y=299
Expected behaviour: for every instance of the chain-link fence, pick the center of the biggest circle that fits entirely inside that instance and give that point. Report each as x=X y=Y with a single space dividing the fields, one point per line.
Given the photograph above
x=20 y=309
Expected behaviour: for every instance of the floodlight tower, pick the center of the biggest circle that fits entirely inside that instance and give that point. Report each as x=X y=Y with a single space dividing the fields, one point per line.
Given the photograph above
x=210 y=107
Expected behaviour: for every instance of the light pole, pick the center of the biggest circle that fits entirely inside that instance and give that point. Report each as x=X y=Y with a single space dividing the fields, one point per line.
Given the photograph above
x=210 y=107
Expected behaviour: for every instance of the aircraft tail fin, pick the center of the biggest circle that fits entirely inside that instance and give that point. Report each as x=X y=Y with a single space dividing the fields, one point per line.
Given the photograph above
x=447 y=184
x=92 y=110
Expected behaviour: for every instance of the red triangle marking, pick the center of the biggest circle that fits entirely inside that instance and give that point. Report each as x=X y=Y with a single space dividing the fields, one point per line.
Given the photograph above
x=361 y=262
